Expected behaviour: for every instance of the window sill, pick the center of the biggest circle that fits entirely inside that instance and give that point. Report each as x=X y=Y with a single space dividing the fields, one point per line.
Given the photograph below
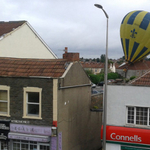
x=138 y=126
x=32 y=117
x=4 y=115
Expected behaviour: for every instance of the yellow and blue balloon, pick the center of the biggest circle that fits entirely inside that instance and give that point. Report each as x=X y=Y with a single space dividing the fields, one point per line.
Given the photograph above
x=135 y=35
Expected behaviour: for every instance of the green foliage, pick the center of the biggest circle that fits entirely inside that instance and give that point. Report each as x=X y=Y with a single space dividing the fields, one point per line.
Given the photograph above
x=127 y=80
x=94 y=78
x=95 y=107
x=102 y=58
x=113 y=75
x=131 y=78
x=88 y=72
x=100 y=77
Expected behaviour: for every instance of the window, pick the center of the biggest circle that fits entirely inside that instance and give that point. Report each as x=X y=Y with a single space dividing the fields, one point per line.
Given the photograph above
x=29 y=145
x=4 y=100
x=32 y=102
x=138 y=115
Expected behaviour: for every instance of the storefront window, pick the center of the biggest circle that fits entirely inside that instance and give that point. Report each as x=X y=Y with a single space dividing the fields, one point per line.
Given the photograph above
x=29 y=145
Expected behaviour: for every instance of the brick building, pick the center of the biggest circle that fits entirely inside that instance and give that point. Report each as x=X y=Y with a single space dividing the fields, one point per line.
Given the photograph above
x=45 y=104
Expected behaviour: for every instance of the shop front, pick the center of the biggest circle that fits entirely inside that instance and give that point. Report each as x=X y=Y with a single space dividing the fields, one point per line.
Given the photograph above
x=4 y=130
x=126 y=138
x=29 y=137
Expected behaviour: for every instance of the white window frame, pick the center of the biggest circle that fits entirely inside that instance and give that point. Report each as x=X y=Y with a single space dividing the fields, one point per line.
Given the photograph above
x=148 y=116
x=6 y=88
x=32 y=89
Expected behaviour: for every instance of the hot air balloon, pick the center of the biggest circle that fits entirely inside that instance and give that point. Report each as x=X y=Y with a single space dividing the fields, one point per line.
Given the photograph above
x=135 y=35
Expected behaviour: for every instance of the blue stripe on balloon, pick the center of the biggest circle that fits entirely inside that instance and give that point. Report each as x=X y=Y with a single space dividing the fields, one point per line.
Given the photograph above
x=132 y=17
x=135 y=46
x=145 y=22
x=124 y=18
x=141 y=53
x=127 y=47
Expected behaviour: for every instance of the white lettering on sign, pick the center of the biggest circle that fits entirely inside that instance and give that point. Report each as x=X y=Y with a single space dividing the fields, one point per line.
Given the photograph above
x=133 y=138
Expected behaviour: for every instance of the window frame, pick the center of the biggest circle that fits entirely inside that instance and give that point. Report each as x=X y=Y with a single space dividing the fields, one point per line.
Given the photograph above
x=25 y=102
x=6 y=88
x=135 y=116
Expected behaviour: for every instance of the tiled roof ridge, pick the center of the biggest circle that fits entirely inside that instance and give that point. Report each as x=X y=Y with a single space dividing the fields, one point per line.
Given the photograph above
x=30 y=59
x=22 y=67
x=17 y=21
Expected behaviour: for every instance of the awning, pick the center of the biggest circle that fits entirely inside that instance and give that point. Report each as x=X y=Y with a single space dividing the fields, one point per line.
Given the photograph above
x=28 y=137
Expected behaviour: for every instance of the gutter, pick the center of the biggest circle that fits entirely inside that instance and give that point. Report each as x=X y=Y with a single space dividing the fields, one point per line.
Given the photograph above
x=75 y=86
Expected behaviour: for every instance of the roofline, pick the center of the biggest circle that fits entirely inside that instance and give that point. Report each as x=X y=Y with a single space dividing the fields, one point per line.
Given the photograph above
x=42 y=77
x=139 y=77
x=41 y=39
x=66 y=71
x=7 y=34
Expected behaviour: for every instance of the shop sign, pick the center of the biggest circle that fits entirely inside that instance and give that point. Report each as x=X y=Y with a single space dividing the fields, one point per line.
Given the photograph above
x=127 y=134
x=4 y=129
x=29 y=138
x=30 y=129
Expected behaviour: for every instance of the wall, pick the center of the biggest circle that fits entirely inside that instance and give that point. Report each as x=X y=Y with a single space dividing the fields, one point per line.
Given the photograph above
x=119 y=97
x=23 y=43
x=130 y=73
x=79 y=126
x=113 y=146
x=16 y=98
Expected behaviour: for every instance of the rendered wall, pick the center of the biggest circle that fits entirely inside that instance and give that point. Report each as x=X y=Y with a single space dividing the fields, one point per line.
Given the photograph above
x=130 y=73
x=79 y=126
x=119 y=97
x=23 y=43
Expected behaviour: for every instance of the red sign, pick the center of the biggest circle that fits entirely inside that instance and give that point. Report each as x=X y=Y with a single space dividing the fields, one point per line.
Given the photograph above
x=127 y=134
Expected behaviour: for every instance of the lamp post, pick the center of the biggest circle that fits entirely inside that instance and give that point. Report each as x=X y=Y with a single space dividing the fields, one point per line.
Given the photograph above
x=105 y=92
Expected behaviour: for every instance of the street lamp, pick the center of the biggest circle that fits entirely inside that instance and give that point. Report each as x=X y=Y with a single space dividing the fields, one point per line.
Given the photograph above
x=105 y=92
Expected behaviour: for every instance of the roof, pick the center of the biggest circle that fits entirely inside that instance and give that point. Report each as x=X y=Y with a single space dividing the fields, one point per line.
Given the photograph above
x=6 y=27
x=92 y=65
x=140 y=65
x=143 y=80
x=16 y=67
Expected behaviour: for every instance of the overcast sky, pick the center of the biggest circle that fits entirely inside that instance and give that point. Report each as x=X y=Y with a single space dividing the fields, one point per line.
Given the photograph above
x=76 y=24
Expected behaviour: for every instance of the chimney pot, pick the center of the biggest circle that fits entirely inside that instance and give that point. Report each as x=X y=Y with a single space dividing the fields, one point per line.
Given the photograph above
x=66 y=49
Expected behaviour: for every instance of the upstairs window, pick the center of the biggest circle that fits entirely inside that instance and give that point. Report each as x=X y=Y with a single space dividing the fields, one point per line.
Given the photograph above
x=4 y=100
x=32 y=103
x=138 y=115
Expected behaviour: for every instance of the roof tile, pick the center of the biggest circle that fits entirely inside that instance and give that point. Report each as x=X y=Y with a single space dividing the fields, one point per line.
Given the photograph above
x=32 y=67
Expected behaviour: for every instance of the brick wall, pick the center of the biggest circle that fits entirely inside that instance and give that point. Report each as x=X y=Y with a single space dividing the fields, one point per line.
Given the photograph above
x=16 y=98
x=71 y=56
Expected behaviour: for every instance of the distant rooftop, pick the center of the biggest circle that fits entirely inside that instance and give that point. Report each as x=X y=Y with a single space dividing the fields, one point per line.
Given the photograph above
x=140 y=65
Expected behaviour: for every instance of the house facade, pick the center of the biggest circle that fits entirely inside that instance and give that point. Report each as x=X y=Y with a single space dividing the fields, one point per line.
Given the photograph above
x=18 y=39
x=128 y=116
x=45 y=105
x=93 y=66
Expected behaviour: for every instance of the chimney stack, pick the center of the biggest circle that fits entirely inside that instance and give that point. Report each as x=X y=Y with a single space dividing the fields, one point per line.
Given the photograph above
x=70 y=56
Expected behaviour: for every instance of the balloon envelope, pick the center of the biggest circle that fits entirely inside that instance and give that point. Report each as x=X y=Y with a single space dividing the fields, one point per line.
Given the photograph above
x=135 y=35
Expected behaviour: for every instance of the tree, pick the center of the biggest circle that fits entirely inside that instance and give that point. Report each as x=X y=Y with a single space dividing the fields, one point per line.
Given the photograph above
x=102 y=58
x=88 y=72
